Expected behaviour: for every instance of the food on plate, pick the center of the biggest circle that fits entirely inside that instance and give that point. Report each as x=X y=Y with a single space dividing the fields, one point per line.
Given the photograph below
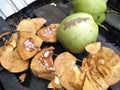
x=28 y=45
x=76 y=31
x=97 y=8
x=42 y=64
x=49 y=33
x=31 y=25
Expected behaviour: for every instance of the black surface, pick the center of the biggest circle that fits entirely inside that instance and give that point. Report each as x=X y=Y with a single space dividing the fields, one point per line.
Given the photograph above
x=4 y=27
x=9 y=81
x=114 y=4
x=51 y=13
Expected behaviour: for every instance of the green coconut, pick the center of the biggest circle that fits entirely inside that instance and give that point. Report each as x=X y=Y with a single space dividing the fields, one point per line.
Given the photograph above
x=96 y=8
x=76 y=31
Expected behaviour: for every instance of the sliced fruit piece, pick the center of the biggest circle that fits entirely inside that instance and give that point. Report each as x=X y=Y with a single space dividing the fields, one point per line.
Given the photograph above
x=11 y=43
x=62 y=60
x=55 y=83
x=49 y=33
x=96 y=80
x=28 y=45
x=42 y=64
x=72 y=78
x=31 y=25
x=104 y=65
x=108 y=64
x=87 y=85
x=12 y=62
x=68 y=73
x=93 y=47
x=22 y=77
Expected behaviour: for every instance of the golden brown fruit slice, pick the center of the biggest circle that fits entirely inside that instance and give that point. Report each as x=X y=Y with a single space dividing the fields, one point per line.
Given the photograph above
x=11 y=43
x=55 y=83
x=68 y=73
x=22 y=77
x=42 y=64
x=12 y=62
x=72 y=78
x=108 y=64
x=102 y=68
x=62 y=60
x=93 y=47
x=49 y=33
x=31 y=25
x=93 y=75
x=87 y=85
x=28 y=45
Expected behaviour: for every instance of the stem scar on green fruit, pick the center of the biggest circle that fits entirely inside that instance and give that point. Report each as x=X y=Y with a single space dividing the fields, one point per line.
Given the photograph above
x=74 y=21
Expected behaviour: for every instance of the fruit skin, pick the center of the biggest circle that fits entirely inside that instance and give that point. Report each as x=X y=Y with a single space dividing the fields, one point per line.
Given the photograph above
x=94 y=7
x=76 y=31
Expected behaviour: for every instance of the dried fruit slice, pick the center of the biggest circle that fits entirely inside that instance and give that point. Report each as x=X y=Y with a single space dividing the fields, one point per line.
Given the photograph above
x=55 y=83
x=61 y=61
x=95 y=81
x=69 y=74
x=11 y=43
x=22 y=77
x=92 y=74
x=31 y=25
x=28 y=45
x=42 y=64
x=12 y=62
x=49 y=33
x=93 y=47
x=102 y=68
x=87 y=85
x=72 y=78
x=108 y=64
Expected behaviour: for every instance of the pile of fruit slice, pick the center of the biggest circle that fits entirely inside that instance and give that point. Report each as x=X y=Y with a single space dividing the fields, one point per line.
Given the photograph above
x=98 y=71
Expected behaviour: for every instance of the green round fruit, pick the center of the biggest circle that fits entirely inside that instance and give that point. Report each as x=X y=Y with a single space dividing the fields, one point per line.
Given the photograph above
x=93 y=7
x=76 y=31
